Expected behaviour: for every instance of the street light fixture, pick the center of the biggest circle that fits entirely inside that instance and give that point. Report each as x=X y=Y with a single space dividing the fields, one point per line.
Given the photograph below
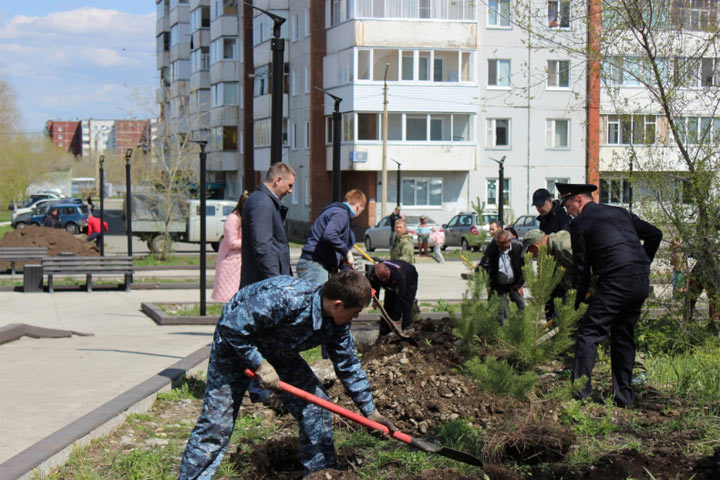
x=397 y=180
x=203 y=218
x=500 y=188
x=277 y=45
x=336 y=145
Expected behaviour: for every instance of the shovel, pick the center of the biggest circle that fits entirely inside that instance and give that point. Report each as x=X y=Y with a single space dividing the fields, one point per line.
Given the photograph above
x=397 y=435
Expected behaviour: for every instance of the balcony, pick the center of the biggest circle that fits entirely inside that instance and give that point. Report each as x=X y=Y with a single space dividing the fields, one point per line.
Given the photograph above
x=224 y=26
x=199 y=80
x=225 y=71
x=224 y=116
x=413 y=157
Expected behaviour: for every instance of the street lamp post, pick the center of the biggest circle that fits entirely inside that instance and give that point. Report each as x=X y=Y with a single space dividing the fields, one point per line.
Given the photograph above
x=336 y=145
x=102 y=205
x=128 y=201
x=203 y=223
x=500 y=188
x=277 y=45
x=397 y=181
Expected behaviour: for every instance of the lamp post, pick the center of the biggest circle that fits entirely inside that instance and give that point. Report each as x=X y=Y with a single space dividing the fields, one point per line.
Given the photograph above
x=102 y=205
x=128 y=201
x=336 y=145
x=203 y=222
x=500 y=188
x=277 y=45
x=397 y=180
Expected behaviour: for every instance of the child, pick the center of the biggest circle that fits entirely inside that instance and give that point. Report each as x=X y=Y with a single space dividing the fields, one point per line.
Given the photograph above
x=438 y=238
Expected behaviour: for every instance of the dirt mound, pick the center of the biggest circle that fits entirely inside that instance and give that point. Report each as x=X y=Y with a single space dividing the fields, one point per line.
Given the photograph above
x=709 y=467
x=415 y=385
x=56 y=240
x=278 y=458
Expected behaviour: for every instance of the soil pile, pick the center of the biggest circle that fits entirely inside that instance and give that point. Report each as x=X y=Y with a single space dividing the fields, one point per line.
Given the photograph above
x=56 y=240
x=415 y=385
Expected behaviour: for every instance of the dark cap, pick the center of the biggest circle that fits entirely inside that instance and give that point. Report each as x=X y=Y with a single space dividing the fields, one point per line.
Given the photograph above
x=539 y=197
x=567 y=190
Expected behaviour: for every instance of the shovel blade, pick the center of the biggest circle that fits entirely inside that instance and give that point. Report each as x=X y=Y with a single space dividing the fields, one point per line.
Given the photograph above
x=446 y=452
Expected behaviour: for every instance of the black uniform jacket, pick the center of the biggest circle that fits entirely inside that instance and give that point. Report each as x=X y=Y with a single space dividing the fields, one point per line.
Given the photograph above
x=555 y=220
x=606 y=241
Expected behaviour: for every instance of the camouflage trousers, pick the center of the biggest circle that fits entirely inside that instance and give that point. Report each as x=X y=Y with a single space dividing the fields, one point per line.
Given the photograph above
x=226 y=386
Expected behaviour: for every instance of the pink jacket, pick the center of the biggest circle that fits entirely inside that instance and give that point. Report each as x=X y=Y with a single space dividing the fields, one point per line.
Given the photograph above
x=438 y=236
x=229 y=260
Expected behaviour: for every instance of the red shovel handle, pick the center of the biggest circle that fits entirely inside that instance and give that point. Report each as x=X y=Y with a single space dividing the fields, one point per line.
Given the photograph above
x=339 y=410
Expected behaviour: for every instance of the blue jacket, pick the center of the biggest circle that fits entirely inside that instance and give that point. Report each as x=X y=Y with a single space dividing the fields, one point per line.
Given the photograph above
x=330 y=238
x=279 y=317
x=265 y=251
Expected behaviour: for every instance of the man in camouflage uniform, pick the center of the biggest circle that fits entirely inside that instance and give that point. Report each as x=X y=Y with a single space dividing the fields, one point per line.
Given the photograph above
x=264 y=328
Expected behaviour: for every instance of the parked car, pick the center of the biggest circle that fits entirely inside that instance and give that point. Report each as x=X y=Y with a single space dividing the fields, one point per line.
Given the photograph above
x=33 y=199
x=379 y=235
x=73 y=216
x=463 y=230
x=524 y=224
x=23 y=212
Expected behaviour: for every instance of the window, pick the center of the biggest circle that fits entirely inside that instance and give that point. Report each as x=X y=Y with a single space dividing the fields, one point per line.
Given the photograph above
x=697 y=15
x=461 y=128
x=559 y=13
x=499 y=73
x=492 y=193
x=423 y=66
x=395 y=126
x=445 y=66
x=383 y=58
x=306 y=22
x=200 y=60
x=558 y=74
x=698 y=130
x=498 y=133
x=440 y=127
x=408 y=65
x=368 y=126
x=422 y=191
x=307 y=135
x=293 y=83
x=179 y=33
x=180 y=70
x=348 y=127
x=630 y=129
x=224 y=94
x=615 y=190
x=328 y=130
x=261 y=83
x=261 y=132
x=306 y=79
x=163 y=8
x=294 y=34
x=709 y=72
x=498 y=13
x=557 y=133
x=363 y=63
x=163 y=42
x=338 y=68
x=416 y=9
x=293 y=135
x=223 y=49
x=200 y=18
x=224 y=138
x=550 y=185
x=306 y=184
x=416 y=127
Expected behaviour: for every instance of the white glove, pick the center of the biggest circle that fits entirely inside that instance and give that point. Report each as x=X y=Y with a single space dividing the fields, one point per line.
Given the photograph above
x=350 y=258
x=267 y=376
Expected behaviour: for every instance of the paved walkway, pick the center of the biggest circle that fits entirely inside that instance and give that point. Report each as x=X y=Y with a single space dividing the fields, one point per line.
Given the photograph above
x=49 y=383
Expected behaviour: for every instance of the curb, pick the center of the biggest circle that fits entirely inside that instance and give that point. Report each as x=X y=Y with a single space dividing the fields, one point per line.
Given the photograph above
x=54 y=450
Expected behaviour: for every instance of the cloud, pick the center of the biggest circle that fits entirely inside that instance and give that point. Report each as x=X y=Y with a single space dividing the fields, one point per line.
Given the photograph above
x=79 y=63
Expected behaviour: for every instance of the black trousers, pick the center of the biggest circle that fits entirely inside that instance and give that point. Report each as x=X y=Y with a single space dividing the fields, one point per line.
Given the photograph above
x=400 y=306
x=614 y=310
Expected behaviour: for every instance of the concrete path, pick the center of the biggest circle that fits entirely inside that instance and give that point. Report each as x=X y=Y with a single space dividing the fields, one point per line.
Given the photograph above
x=45 y=384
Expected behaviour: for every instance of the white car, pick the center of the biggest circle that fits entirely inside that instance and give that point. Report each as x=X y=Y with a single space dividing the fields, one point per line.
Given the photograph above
x=29 y=208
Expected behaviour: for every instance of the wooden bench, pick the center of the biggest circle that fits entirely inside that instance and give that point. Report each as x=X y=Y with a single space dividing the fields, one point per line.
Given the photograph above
x=21 y=254
x=88 y=266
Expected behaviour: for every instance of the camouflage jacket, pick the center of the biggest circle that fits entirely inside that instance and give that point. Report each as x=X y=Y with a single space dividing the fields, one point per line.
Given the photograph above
x=560 y=247
x=403 y=249
x=279 y=317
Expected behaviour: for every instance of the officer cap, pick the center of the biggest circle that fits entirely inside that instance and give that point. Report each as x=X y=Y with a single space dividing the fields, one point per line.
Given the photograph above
x=539 y=197
x=531 y=236
x=567 y=190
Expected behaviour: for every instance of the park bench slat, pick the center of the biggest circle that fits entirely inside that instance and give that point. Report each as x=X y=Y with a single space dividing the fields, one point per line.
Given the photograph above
x=21 y=254
x=88 y=266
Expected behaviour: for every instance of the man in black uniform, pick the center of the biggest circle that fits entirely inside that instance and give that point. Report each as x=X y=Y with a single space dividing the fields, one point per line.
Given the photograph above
x=606 y=242
x=400 y=280
x=552 y=216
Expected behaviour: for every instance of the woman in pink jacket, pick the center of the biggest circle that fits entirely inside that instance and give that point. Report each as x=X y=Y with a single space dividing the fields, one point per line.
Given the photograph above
x=229 y=260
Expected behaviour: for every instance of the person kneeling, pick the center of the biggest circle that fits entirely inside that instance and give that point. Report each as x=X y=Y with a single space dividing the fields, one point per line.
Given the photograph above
x=264 y=327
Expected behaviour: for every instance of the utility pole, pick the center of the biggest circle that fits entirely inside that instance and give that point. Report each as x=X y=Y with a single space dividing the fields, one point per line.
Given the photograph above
x=384 y=145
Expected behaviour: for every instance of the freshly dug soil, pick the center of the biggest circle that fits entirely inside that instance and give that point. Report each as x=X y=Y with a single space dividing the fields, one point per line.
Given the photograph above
x=55 y=239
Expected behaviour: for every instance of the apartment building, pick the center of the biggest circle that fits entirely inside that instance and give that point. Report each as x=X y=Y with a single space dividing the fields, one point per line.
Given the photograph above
x=66 y=135
x=463 y=89
x=90 y=136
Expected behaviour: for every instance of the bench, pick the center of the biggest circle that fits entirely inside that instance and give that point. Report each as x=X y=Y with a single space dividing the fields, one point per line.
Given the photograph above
x=21 y=254
x=89 y=266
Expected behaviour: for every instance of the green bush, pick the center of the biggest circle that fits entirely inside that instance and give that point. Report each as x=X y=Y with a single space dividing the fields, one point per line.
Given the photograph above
x=500 y=378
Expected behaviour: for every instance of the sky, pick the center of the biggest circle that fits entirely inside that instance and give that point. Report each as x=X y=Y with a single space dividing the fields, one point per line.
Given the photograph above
x=74 y=59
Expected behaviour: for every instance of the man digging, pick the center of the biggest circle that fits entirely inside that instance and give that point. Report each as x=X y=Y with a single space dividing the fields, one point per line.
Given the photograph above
x=264 y=328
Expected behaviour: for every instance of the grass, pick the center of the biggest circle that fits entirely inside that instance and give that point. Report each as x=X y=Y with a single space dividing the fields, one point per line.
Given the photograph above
x=152 y=260
x=5 y=216
x=192 y=310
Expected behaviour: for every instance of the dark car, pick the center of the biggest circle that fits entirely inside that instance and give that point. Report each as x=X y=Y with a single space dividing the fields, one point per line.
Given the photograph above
x=73 y=216
x=21 y=219
x=32 y=200
x=524 y=224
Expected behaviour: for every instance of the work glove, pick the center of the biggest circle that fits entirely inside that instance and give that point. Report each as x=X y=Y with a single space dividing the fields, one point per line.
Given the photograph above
x=267 y=376
x=377 y=417
x=350 y=258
